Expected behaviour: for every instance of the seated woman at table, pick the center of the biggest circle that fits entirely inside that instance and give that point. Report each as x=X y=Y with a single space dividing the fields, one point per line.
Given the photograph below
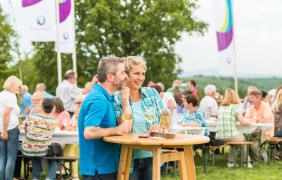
x=140 y=102
x=72 y=150
x=193 y=116
x=229 y=113
x=277 y=112
x=39 y=130
x=60 y=114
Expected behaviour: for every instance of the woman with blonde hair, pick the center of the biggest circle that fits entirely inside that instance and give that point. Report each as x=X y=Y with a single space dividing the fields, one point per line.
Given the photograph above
x=229 y=113
x=145 y=107
x=9 y=121
x=72 y=150
x=277 y=112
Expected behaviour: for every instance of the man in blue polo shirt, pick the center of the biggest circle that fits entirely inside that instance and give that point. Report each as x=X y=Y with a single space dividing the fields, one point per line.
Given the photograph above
x=99 y=159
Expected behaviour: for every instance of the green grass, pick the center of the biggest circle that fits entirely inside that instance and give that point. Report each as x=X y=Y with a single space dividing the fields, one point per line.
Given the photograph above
x=263 y=171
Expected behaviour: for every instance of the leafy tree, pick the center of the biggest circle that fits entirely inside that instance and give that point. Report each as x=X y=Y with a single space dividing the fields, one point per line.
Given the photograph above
x=6 y=35
x=147 y=28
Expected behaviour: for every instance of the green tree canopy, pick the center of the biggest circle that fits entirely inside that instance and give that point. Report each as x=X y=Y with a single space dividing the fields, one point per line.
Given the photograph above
x=147 y=28
x=6 y=35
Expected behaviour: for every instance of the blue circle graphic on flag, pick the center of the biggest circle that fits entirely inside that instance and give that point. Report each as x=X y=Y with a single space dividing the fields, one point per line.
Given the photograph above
x=40 y=20
x=228 y=60
x=66 y=35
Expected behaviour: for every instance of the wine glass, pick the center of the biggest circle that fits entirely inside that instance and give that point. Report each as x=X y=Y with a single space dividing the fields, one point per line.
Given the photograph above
x=150 y=115
x=165 y=120
x=65 y=123
x=73 y=124
x=179 y=117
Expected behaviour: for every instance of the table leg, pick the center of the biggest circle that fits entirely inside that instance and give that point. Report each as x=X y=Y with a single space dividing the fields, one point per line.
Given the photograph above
x=182 y=166
x=156 y=163
x=128 y=162
x=123 y=162
x=189 y=159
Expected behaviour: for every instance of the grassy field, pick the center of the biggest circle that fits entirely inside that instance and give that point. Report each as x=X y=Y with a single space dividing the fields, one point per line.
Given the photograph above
x=263 y=171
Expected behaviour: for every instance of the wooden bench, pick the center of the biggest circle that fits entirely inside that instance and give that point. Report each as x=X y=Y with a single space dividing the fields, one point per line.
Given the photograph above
x=272 y=147
x=61 y=163
x=206 y=151
x=234 y=145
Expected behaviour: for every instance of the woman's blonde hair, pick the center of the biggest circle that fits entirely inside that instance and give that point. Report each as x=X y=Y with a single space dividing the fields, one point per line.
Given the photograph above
x=277 y=104
x=231 y=97
x=12 y=82
x=132 y=61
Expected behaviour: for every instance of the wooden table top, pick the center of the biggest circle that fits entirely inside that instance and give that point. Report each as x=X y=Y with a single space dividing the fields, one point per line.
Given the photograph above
x=180 y=139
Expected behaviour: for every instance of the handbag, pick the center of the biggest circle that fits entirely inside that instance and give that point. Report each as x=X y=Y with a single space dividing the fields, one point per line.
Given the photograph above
x=54 y=150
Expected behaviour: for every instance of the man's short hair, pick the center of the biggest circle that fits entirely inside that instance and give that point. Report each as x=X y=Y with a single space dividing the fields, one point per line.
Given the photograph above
x=24 y=87
x=70 y=74
x=193 y=82
x=157 y=87
x=47 y=105
x=41 y=86
x=187 y=92
x=256 y=93
x=108 y=65
x=191 y=98
x=209 y=89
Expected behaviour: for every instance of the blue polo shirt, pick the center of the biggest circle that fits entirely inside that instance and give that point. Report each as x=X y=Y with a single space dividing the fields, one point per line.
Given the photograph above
x=26 y=101
x=97 y=110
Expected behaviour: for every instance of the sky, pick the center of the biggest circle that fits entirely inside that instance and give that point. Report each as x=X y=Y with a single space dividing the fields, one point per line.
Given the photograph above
x=257 y=33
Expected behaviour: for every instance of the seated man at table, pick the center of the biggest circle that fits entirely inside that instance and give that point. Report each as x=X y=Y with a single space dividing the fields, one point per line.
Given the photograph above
x=39 y=130
x=208 y=104
x=261 y=111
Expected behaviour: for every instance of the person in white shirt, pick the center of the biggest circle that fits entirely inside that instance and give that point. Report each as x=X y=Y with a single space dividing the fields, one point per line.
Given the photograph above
x=68 y=91
x=208 y=104
x=9 y=121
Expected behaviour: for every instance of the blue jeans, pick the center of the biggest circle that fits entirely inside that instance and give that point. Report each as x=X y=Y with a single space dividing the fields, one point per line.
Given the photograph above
x=36 y=168
x=278 y=133
x=111 y=176
x=142 y=169
x=8 y=154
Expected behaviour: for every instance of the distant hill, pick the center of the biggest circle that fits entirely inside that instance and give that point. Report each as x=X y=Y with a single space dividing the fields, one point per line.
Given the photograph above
x=215 y=72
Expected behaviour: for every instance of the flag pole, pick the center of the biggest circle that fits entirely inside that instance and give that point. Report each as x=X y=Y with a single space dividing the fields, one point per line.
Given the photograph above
x=59 y=58
x=234 y=48
x=74 y=64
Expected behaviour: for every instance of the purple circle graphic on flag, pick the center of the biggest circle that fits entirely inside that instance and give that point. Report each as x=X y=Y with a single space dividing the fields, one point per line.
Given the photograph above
x=66 y=35
x=26 y=3
x=65 y=9
x=40 y=20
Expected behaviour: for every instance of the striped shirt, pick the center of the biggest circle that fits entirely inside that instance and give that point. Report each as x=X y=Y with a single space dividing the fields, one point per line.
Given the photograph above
x=39 y=133
x=227 y=120
x=197 y=117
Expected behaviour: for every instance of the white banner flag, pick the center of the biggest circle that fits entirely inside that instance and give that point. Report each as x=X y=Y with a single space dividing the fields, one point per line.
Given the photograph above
x=39 y=20
x=66 y=26
x=225 y=38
